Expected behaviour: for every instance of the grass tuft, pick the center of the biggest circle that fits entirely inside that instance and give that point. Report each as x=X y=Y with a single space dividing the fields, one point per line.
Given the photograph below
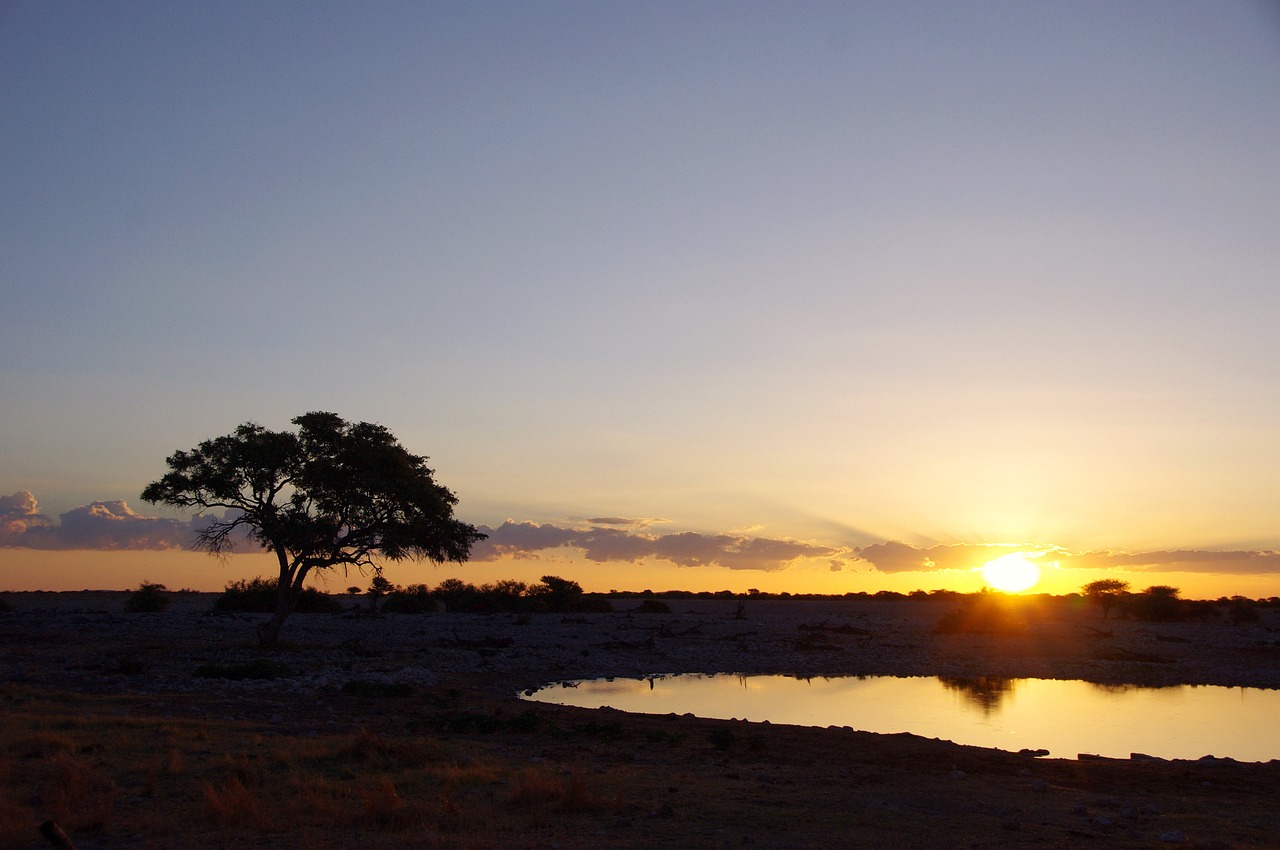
x=230 y=803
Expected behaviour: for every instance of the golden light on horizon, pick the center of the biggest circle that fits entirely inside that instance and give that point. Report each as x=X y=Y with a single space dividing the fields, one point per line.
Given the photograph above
x=1012 y=573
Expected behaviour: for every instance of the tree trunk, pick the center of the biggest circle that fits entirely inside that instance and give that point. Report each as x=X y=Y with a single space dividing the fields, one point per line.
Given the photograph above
x=286 y=600
x=269 y=631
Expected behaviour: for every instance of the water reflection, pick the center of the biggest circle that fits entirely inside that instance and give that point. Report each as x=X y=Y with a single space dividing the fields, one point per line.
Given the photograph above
x=1064 y=717
x=986 y=692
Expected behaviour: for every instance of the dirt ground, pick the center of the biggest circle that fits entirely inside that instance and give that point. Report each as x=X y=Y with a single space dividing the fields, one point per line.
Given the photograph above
x=79 y=673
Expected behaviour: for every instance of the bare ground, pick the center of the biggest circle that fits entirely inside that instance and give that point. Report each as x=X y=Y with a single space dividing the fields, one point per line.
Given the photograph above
x=653 y=781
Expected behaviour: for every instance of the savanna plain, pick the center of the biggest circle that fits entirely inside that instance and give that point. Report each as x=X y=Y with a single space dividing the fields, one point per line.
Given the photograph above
x=175 y=729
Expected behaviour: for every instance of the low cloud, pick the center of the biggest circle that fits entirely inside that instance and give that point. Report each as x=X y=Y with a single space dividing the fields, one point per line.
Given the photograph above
x=897 y=557
x=894 y=556
x=107 y=526
x=607 y=544
x=1259 y=562
x=113 y=525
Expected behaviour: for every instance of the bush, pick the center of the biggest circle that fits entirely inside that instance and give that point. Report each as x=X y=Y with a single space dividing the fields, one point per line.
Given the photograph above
x=564 y=596
x=148 y=598
x=1158 y=603
x=652 y=606
x=1239 y=609
x=414 y=599
x=4 y=605
x=258 y=596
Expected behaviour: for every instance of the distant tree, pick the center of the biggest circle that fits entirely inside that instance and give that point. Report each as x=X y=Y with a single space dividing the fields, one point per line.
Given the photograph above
x=1106 y=592
x=558 y=594
x=1159 y=602
x=333 y=494
x=379 y=587
x=150 y=597
x=562 y=594
x=1242 y=610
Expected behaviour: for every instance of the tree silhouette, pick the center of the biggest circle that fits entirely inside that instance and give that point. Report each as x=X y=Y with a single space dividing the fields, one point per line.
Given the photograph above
x=1106 y=592
x=1159 y=602
x=332 y=494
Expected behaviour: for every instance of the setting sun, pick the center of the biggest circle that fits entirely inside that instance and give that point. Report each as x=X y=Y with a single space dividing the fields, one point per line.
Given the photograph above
x=1011 y=573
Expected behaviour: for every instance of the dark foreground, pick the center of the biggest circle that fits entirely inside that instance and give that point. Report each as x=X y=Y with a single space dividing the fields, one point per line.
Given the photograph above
x=138 y=731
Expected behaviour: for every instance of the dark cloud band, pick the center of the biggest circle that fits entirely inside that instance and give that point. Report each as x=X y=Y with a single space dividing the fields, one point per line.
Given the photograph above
x=113 y=525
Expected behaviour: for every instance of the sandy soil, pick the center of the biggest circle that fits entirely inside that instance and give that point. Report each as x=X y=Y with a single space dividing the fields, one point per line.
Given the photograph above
x=743 y=784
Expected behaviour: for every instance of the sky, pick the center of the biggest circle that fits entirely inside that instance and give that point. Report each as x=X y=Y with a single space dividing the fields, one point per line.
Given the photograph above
x=814 y=297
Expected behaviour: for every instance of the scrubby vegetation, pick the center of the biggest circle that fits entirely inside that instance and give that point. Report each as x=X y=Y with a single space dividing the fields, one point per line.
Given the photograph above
x=552 y=594
x=258 y=596
x=148 y=598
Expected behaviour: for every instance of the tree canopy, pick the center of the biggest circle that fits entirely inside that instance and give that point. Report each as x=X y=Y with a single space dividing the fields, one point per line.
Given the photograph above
x=1106 y=592
x=331 y=494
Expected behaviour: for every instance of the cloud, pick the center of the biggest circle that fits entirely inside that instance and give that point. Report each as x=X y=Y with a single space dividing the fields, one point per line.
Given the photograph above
x=1261 y=562
x=109 y=525
x=19 y=514
x=894 y=556
x=113 y=525
x=519 y=540
x=897 y=557
x=625 y=522
x=614 y=545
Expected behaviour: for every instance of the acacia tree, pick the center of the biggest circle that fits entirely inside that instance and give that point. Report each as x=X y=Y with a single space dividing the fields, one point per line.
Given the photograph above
x=331 y=494
x=1106 y=592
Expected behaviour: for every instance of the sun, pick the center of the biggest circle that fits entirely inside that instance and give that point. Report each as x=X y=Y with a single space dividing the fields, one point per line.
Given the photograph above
x=1012 y=573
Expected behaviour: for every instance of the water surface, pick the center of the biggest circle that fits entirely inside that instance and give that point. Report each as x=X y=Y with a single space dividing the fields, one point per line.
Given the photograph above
x=1065 y=717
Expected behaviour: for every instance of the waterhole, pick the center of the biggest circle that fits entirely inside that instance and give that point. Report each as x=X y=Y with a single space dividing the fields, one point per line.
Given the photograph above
x=1066 y=718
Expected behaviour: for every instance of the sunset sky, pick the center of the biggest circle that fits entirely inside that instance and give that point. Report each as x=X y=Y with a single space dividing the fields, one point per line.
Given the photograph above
x=819 y=296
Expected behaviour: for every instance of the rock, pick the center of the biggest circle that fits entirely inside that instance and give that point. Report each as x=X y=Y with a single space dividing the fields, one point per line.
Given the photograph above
x=1174 y=836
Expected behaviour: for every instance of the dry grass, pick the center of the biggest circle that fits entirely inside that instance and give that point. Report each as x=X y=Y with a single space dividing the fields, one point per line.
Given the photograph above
x=99 y=765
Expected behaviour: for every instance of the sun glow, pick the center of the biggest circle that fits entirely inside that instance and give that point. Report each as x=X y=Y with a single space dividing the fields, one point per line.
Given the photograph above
x=1012 y=573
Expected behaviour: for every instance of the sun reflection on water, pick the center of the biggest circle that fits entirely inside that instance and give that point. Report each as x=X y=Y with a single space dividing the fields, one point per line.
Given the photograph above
x=1065 y=717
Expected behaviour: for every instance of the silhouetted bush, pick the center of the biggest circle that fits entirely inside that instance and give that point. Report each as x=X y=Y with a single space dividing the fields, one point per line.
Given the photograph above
x=458 y=595
x=258 y=596
x=1242 y=610
x=652 y=606
x=565 y=596
x=5 y=607
x=414 y=599
x=148 y=598
x=1158 y=603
